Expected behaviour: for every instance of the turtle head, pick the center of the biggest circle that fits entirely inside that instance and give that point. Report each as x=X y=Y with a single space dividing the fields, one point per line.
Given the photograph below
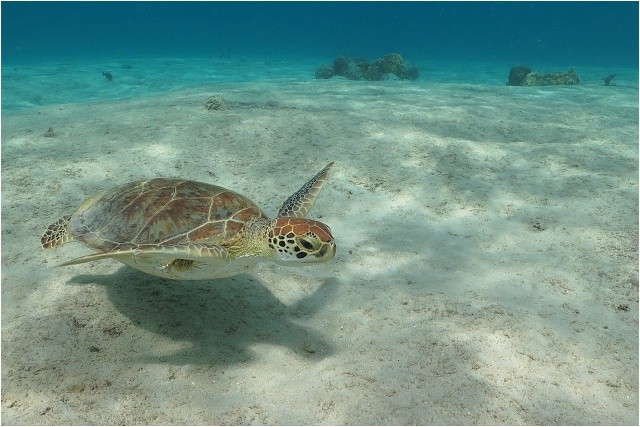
x=300 y=240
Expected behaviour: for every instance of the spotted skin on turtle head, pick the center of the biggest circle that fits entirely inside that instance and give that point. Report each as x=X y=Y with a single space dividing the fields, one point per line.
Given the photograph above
x=302 y=239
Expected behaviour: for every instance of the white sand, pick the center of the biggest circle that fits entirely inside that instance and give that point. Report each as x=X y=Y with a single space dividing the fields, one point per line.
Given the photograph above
x=487 y=266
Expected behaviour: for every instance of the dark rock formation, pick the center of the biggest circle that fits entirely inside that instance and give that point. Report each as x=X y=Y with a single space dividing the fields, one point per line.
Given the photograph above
x=355 y=68
x=523 y=76
x=553 y=79
x=351 y=68
x=324 y=72
x=518 y=75
x=410 y=73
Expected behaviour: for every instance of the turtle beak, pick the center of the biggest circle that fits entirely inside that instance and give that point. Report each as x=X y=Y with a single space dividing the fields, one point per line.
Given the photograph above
x=327 y=251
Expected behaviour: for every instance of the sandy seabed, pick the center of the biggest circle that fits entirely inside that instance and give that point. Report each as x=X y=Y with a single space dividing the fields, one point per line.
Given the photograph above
x=487 y=265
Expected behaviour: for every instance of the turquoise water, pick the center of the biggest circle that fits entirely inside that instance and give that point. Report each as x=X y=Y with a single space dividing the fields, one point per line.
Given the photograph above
x=81 y=80
x=56 y=52
x=594 y=33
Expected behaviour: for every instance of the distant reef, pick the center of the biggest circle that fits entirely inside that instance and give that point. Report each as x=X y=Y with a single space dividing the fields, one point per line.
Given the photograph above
x=523 y=76
x=355 y=68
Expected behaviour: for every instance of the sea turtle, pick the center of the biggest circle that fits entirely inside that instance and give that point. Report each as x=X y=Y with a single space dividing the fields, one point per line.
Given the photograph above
x=190 y=230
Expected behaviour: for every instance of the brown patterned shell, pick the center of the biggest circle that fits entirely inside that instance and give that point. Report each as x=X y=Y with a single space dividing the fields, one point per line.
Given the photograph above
x=161 y=211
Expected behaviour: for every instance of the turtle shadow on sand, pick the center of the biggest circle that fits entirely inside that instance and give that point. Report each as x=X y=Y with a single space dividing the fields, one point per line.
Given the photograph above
x=220 y=319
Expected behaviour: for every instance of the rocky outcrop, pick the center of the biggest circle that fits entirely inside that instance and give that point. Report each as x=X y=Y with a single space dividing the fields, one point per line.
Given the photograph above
x=355 y=68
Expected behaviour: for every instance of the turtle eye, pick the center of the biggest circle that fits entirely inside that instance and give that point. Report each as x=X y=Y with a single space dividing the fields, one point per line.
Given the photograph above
x=306 y=244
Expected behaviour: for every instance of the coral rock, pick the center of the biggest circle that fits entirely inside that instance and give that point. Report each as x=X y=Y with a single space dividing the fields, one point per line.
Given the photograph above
x=355 y=68
x=552 y=79
x=324 y=72
x=518 y=76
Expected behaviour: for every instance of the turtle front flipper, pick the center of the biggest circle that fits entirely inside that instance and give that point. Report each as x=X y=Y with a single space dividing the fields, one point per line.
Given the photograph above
x=299 y=204
x=181 y=262
x=57 y=234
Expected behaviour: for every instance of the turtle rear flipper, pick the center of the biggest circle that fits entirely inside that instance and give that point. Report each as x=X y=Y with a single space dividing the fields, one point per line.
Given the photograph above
x=57 y=234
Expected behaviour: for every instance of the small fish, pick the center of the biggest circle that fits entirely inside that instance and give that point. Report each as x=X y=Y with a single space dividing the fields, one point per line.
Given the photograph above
x=108 y=75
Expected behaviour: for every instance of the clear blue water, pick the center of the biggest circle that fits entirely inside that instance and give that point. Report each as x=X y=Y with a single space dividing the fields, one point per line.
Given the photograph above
x=594 y=33
x=55 y=51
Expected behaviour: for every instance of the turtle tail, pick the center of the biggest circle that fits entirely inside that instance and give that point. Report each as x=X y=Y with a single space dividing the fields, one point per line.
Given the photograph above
x=57 y=234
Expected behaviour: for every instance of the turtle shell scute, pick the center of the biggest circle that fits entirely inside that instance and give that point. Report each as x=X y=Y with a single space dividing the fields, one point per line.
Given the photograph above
x=161 y=211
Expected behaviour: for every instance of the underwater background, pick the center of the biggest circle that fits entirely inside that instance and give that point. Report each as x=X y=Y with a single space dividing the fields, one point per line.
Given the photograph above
x=163 y=46
x=487 y=234
x=587 y=33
